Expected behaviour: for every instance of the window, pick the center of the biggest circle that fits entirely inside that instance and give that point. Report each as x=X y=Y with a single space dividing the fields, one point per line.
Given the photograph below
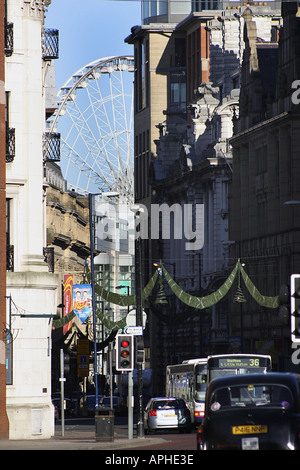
x=256 y=395
x=142 y=64
x=178 y=88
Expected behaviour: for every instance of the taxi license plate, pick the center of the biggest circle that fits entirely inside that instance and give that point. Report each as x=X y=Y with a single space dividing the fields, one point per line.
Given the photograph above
x=250 y=429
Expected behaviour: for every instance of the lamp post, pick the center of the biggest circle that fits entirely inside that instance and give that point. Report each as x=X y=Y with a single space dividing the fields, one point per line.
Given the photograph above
x=91 y=196
x=139 y=322
x=238 y=245
x=173 y=313
x=91 y=211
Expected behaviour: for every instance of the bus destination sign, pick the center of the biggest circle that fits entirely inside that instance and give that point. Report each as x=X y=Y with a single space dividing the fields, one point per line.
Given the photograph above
x=238 y=362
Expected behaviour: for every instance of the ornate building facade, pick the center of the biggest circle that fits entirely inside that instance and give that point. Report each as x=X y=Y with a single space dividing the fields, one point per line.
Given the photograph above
x=263 y=219
x=192 y=163
x=31 y=289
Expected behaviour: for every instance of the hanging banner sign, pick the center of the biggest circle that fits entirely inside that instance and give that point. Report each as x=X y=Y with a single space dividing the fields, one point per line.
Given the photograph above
x=67 y=299
x=82 y=300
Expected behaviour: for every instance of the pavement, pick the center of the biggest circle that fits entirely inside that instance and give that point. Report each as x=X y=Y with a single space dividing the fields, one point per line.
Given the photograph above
x=78 y=440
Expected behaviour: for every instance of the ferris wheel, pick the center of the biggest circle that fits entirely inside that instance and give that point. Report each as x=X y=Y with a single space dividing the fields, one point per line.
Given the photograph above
x=94 y=118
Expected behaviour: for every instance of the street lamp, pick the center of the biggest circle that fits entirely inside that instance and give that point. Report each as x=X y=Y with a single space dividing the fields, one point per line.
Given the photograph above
x=238 y=244
x=291 y=203
x=91 y=200
x=139 y=322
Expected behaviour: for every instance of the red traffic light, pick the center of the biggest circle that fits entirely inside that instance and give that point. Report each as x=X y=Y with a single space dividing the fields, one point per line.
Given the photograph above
x=124 y=352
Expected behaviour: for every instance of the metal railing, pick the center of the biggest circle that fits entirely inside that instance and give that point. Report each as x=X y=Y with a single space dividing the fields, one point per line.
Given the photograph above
x=51 y=147
x=10 y=144
x=10 y=258
x=9 y=39
x=50 y=44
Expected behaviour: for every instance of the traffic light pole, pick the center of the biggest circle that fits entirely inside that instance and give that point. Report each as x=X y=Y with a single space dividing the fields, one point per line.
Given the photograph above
x=139 y=322
x=130 y=405
x=62 y=392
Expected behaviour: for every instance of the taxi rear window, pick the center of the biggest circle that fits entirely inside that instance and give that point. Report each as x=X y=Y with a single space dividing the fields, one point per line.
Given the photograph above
x=256 y=395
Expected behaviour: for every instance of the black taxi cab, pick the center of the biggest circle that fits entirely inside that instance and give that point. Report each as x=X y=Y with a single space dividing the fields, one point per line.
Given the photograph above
x=252 y=412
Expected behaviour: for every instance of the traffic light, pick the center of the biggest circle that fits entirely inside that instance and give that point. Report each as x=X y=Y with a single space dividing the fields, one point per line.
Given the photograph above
x=295 y=308
x=285 y=305
x=124 y=353
x=66 y=364
x=139 y=350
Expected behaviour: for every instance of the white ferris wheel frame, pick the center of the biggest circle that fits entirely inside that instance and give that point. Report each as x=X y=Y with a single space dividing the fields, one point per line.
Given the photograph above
x=109 y=165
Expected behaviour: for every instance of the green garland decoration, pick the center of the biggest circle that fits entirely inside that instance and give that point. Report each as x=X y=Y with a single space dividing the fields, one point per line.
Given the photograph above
x=124 y=300
x=263 y=300
x=112 y=297
x=64 y=320
x=201 y=302
x=211 y=299
x=190 y=300
x=111 y=325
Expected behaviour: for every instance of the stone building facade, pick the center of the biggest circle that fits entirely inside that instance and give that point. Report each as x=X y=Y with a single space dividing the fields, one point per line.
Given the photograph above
x=31 y=289
x=262 y=221
x=192 y=163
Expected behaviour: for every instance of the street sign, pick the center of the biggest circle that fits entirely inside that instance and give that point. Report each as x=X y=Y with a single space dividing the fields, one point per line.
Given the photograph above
x=131 y=318
x=133 y=330
x=83 y=356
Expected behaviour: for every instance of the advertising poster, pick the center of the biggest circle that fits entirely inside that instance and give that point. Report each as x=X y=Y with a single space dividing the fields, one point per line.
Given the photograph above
x=67 y=296
x=82 y=300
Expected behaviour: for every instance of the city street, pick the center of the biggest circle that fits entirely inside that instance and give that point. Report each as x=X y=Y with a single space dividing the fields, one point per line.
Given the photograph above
x=162 y=440
x=79 y=434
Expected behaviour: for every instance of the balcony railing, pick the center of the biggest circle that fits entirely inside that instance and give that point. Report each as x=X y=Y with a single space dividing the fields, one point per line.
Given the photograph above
x=51 y=147
x=10 y=258
x=10 y=144
x=50 y=44
x=9 y=39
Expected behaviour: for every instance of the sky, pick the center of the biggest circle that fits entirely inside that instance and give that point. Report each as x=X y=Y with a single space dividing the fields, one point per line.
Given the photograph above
x=89 y=30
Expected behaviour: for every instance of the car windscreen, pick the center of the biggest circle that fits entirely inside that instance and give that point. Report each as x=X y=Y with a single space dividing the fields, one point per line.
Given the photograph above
x=168 y=404
x=251 y=395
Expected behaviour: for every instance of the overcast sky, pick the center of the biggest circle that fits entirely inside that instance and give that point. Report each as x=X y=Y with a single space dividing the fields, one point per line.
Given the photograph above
x=89 y=30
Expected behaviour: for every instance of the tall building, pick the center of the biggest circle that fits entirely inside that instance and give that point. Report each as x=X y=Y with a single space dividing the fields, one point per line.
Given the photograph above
x=4 y=425
x=264 y=196
x=31 y=289
x=187 y=95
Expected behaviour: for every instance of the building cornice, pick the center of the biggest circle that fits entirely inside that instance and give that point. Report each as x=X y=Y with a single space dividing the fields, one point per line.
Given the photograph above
x=260 y=125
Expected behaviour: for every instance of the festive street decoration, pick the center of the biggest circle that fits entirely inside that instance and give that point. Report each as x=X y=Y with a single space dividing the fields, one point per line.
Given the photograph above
x=239 y=295
x=200 y=303
x=263 y=300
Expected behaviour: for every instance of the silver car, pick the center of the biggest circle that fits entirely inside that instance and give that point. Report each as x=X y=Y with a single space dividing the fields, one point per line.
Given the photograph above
x=167 y=413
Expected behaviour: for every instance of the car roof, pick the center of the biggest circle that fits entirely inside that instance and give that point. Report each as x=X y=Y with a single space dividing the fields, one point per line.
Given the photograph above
x=280 y=378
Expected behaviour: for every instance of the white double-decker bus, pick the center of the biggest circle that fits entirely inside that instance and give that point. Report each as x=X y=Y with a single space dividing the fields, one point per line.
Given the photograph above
x=189 y=380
